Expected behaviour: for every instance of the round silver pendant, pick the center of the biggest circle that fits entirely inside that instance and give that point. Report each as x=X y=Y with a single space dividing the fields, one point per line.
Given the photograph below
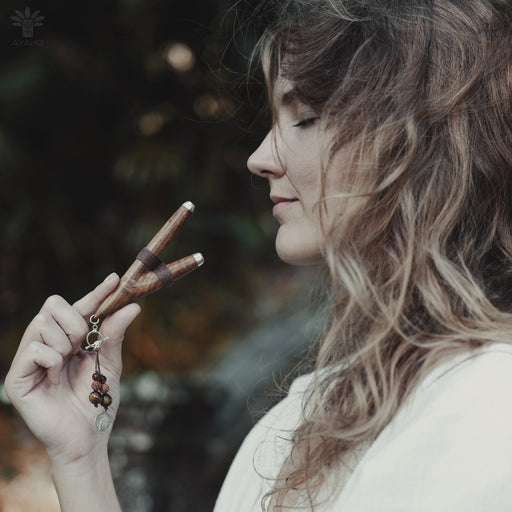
x=103 y=422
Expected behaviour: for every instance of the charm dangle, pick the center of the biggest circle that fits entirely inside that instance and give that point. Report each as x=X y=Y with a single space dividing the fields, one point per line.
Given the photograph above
x=100 y=388
x=92 y=346
x=103 y=422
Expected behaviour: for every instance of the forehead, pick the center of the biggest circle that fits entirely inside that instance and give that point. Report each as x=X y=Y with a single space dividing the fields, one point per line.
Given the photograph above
x=281 y=91
x=284 y=92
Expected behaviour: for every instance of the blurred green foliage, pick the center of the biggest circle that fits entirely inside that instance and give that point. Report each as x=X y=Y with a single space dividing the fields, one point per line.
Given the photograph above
x=117 y=113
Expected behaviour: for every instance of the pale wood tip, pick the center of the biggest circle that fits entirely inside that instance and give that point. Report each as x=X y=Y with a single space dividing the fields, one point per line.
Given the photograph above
x=189 y=205
x=199 y=258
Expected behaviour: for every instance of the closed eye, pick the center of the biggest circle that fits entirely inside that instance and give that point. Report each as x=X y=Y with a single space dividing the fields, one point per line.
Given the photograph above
x=306 y=122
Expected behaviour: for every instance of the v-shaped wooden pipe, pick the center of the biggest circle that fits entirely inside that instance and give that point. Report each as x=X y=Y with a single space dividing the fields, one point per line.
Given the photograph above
x=148 y=274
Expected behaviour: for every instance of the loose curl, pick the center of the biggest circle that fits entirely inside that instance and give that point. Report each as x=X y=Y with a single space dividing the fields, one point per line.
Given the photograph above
x=420 y=258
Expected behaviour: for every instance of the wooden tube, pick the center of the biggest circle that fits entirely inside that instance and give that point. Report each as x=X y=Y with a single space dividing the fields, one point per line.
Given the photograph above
x=130 y=289
x=138 y=281
x=168 y=231
x=125 y=293
x=186 y=265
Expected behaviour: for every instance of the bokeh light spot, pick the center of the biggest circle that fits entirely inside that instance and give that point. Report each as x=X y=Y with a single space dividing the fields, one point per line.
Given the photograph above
x=207 y=106
x=180 y=57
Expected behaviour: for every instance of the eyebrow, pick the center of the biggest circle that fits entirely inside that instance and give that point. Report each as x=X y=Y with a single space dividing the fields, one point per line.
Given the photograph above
x=289 y=97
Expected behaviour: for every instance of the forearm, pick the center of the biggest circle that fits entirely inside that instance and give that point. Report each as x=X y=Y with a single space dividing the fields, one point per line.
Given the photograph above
x=85 y=485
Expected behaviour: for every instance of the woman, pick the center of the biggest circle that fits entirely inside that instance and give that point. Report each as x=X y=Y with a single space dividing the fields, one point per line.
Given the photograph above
x=390 y=160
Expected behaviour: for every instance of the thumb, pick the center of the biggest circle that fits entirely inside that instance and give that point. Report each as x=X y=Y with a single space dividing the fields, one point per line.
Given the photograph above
x=114 y=327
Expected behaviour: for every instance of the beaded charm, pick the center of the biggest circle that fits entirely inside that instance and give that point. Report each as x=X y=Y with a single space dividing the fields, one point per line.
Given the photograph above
x=100 y=396
x=100 y=388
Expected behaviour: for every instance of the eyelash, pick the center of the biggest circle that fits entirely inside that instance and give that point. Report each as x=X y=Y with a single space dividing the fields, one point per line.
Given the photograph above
x=306 y=122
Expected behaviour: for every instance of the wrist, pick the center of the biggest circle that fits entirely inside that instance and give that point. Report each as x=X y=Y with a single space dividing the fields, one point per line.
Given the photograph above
x=85 y=483
x=83 y=450
x=85 y=460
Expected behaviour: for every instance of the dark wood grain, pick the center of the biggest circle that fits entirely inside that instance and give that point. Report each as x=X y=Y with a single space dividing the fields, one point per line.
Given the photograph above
x=138 y=281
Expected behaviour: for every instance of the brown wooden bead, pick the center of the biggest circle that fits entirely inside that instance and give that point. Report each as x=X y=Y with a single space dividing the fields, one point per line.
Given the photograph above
x=97 y=386
x=106 y=401
x=104 y=388
x=95 y=398
x=98 y=377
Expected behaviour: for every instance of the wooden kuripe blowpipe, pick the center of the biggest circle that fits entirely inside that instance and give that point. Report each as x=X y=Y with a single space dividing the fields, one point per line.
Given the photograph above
x=148 y=273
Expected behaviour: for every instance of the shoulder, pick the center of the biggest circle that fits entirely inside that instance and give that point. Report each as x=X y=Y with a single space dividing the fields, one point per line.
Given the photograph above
x=491 y=363
x=477 y=383
x=449 y=448
x=467 y=399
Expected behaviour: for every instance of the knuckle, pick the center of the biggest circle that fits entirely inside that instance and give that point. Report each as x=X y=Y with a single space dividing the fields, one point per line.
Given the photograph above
x=40 y=351
x=58 y=358
x=80 y=332
x=35 y=348
x=42 y=318
x=54 y=301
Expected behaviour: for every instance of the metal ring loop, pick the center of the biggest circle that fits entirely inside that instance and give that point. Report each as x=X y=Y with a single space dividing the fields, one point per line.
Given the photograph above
x=96 y=344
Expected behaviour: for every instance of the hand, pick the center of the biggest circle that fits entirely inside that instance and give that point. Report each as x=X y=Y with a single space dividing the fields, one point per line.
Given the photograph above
x=50 y=377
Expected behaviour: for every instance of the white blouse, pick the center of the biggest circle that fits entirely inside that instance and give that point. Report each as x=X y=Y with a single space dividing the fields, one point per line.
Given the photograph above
x=448 y=449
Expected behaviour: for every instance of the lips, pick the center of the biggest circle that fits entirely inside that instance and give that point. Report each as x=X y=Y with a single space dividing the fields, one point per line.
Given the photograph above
x=281 y=203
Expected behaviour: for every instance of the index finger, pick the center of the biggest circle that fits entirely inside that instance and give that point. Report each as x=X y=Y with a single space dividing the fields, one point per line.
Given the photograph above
x=88 y=304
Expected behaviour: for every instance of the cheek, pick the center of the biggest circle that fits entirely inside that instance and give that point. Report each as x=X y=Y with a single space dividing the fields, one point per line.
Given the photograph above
x=305 y=172
x=340 y=181
x=307 y=183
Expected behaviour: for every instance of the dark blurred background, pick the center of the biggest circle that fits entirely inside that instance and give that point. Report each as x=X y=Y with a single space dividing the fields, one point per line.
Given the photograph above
x=112 y=114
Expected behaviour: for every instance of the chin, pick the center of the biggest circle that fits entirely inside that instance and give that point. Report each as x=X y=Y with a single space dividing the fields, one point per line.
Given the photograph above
x=298 y=250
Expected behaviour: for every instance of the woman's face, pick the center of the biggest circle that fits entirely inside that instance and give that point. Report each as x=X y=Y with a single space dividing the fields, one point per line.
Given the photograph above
x=290 y=157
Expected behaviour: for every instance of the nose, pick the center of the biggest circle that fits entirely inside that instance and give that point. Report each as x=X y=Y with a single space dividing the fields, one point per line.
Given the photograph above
x=266 y=161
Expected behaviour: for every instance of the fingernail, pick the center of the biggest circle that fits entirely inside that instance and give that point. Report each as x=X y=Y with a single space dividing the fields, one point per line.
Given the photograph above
x=111 y=277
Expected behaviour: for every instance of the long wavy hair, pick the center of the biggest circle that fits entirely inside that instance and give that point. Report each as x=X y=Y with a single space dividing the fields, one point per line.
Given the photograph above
x=420 y=258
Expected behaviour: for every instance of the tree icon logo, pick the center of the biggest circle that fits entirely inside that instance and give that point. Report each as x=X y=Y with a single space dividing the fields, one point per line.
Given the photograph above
x=27 y=21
